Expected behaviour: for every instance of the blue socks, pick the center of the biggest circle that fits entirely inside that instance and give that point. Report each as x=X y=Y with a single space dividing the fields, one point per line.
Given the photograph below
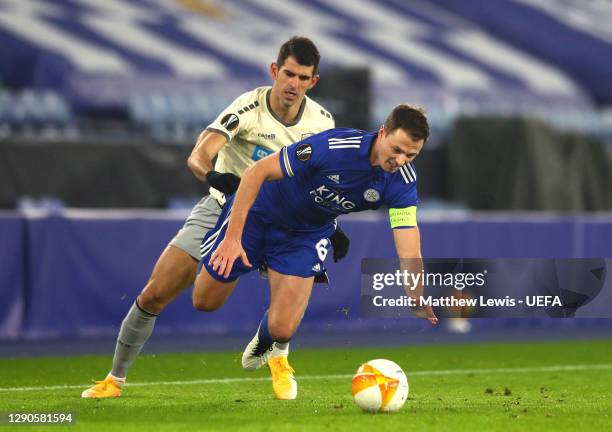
x=265 y=340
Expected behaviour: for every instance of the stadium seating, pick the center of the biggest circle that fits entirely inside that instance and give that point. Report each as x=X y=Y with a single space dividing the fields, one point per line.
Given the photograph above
x=35 y=113
x=172 y=117
x=162 y=67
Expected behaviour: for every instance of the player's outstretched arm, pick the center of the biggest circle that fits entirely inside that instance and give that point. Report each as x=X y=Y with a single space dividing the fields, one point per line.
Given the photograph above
x=408 y=247
x=230 y=249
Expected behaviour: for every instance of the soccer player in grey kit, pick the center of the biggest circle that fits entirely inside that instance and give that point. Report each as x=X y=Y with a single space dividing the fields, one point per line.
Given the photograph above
x=258 y=123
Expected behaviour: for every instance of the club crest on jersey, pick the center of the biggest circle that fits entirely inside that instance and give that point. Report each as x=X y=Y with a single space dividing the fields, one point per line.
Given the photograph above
x=230 y=121
x=371 y=195
x=334 y=177
x=304 y=152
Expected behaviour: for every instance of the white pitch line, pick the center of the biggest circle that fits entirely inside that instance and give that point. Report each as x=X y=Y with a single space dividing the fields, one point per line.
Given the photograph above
x=562 y=368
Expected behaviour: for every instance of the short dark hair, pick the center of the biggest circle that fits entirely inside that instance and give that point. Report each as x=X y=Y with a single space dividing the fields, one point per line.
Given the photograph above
x=302 y=49
x=409 y=118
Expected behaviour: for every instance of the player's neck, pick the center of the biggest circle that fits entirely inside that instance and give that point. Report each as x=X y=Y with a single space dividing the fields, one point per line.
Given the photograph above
x=374 y=151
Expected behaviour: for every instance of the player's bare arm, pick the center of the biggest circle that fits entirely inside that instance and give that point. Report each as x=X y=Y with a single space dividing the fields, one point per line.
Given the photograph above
x=408 y=246
x=206 y=148
x=230 y=249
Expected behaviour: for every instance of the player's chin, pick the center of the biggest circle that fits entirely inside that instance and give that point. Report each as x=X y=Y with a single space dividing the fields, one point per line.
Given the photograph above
x=389 y=167
x=291 y=98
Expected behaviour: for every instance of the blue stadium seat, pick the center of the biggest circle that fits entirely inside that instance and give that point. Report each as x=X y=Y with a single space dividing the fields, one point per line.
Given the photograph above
x=34 y=112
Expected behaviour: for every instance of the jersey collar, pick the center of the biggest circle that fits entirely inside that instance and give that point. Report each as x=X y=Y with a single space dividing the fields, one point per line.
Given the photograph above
x=278 y=119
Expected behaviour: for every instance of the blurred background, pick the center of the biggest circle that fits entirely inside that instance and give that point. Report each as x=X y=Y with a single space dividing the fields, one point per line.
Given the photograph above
x=101 y=102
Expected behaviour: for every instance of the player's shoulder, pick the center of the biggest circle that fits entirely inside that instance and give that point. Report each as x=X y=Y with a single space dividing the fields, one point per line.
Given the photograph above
x=339 y=144
x=347 y=139
x=315 y=112
x=333 y=135
x=250 y=101
x=407 y=174
x=401 y=187
x=344 y=132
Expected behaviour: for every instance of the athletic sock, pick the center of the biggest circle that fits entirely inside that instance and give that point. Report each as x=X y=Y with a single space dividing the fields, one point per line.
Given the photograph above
x=120 y=381
x=265 y=340
x=280 y=349
x=282 y=346
x=136 y=328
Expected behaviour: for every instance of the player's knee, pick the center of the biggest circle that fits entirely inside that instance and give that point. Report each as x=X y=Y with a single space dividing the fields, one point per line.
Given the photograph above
x=205 y=304
x=154 y=297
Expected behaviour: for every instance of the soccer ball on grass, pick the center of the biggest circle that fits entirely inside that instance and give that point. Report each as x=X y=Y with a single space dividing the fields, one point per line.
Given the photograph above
x=380 y=386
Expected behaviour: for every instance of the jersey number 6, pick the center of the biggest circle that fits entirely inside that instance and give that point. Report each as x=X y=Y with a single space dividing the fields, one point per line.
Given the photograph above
x=321 y=247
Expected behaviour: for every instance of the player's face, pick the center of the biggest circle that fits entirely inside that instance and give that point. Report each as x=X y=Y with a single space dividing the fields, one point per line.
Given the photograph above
x=397 y=149
x=291 y=81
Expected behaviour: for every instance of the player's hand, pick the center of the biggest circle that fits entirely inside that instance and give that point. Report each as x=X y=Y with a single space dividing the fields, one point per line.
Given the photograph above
x=427 y=313
x=223 y=258
x=340 y=242
x=225 y=182
x=430 y=315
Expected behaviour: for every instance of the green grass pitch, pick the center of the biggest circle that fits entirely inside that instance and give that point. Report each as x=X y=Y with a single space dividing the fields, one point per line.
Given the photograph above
x=560 y=386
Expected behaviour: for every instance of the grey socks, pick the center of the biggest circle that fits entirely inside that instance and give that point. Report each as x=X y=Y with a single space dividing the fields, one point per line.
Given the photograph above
x=136 y=328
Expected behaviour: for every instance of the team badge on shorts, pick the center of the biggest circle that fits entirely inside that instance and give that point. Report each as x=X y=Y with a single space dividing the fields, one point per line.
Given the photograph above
x=304 y=152
x=230 y=121
x=371 y=195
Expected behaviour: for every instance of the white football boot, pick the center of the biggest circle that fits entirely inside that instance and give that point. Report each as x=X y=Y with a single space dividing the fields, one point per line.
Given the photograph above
x=254 y=355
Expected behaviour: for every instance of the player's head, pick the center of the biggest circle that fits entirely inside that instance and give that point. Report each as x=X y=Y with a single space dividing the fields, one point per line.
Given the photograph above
x=295 y=71
x=400 y=138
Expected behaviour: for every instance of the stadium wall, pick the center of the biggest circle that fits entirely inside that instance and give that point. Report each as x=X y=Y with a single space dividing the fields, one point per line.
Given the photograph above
x=75 y=273
x=523 y=164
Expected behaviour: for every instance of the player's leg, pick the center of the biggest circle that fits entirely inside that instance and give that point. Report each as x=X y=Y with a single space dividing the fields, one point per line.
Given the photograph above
x=289 y=297
x=211 y=290
x=209 y=294
x=174 y=271
x=261 y=346
x=288 y=253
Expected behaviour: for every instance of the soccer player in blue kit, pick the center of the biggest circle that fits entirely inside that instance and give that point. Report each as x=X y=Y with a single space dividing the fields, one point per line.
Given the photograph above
x=283 y=214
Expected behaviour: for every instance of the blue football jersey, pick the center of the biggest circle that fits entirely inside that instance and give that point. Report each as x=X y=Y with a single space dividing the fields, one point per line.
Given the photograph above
x=329 y=174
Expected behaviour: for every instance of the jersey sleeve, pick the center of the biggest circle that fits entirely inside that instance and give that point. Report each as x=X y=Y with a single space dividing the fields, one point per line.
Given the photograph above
x=236 y=117
x=401 y=197
x=304 y=156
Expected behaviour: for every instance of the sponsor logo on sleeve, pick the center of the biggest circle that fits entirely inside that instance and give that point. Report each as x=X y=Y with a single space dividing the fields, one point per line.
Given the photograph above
x=303 y=152
x=230 y=121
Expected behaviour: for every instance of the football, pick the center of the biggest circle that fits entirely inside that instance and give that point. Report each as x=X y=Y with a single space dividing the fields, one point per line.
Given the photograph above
x=380 y=386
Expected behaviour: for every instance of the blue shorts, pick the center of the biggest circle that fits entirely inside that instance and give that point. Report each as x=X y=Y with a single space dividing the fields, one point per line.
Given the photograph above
x=290 y=252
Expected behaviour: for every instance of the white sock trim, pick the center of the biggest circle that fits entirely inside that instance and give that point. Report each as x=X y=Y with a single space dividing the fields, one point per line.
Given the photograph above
x=117 y=379
x=280 y=352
